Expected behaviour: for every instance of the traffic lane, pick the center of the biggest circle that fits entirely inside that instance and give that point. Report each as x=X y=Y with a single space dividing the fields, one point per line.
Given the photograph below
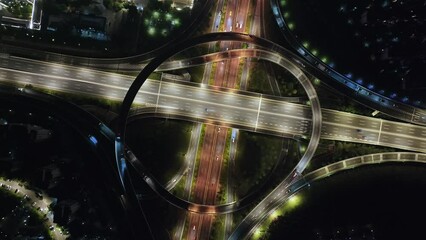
x=83 y=87
x=203 y=170
x=44 y=68
x=231 y=76
x=220 y=73
x=285 y=108
x=216 y=160
x=398 y=141
x=206 y=227
x=210 y=157
x=105 y=90
x=208 y=110
x=241 y=17
x=147 y=90
x=230 y=12
x=360 y=121
x=283 y=124
x=209 y=95
x=195 y=223
x=67 y=86
x=62 y=83
x=349 y=133
x=405 y=129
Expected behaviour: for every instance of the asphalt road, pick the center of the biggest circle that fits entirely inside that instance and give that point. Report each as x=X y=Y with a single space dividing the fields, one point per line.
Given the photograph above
x=254 y=112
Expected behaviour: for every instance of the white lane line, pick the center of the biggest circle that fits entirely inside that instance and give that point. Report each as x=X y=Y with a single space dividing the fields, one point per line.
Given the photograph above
x=258 y=112
x=158 y=96
x=380 y=131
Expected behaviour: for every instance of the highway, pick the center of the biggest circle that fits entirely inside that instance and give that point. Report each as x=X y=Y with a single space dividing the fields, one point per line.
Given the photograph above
x=226 y=107
x=207 y=179
x=225 y=75
x=191 y=158
x=365 y=159
x=260 y=112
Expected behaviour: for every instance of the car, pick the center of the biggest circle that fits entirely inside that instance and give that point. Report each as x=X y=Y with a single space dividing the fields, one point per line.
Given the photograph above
x=51 y=227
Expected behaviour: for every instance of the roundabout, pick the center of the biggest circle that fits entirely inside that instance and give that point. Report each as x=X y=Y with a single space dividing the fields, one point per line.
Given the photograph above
x=278 y=55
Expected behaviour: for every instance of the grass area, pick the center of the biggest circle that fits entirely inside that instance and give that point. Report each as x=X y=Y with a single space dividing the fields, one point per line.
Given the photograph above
x=222 y=194
x=197 y=73
x=291 y=205
x=365 y=201
x=332 y=99
x=288 y=84
x=256 y=156
x=161 y=144
x=213 y=73
x=218 y=228
x=154 y=76
x=179 y=189
x=258 y=79
x=240 y=73
x=333 y=151
x=281 y=171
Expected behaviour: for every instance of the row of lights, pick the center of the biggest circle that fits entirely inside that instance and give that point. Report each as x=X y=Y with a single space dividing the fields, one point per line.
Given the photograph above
x=325 y=60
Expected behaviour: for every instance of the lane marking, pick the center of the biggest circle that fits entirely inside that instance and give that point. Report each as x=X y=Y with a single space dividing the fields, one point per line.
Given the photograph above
x=158 y=95
x=380 y=131
x=258 y=112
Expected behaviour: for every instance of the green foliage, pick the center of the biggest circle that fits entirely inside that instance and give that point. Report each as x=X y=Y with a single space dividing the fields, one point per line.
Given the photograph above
x=256 y=156
x=344 y=150
x=161 y=143
x=20 y=9
x=196 y=73
x=258 y=79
